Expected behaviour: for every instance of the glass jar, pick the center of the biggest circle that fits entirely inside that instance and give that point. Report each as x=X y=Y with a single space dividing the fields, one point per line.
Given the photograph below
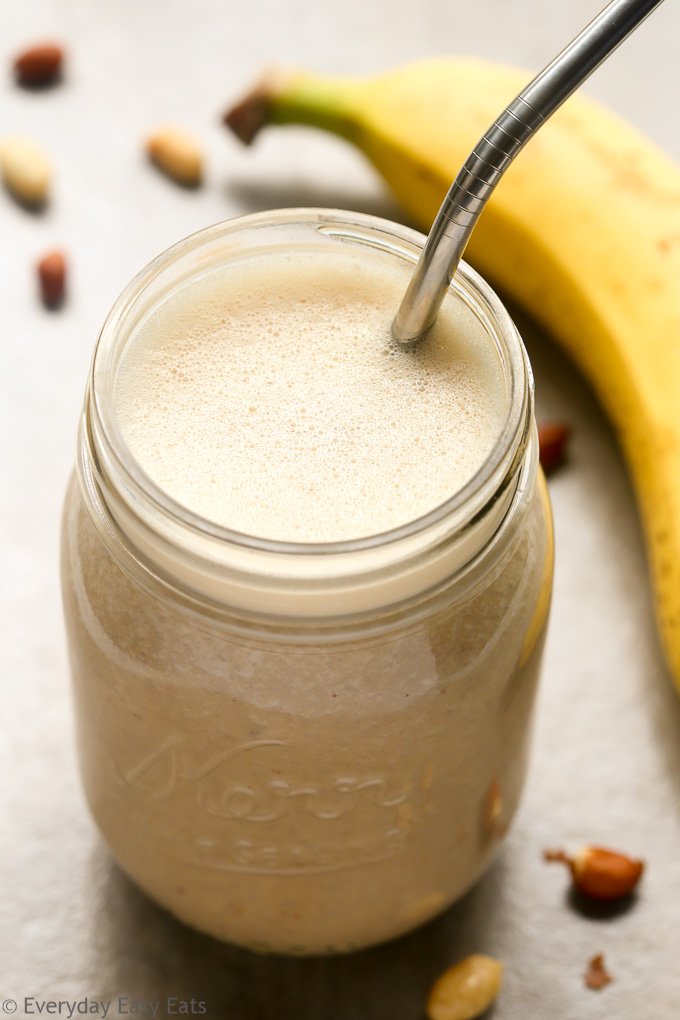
x=295 y=747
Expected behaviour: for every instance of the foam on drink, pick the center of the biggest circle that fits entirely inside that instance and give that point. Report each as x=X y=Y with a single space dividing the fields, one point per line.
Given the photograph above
x=267 y=396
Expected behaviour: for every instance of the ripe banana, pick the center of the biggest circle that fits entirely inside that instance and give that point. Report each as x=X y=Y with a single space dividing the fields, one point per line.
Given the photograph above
x=583 y=231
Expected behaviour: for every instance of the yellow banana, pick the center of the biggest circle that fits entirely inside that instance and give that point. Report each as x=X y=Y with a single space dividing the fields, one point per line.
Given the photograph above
x=583 y=231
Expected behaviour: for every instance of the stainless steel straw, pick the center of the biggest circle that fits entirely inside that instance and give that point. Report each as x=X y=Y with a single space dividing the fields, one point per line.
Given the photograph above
x=494 y=153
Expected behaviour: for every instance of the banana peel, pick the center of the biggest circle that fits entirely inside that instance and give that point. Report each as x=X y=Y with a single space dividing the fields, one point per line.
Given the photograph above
x=583 y=231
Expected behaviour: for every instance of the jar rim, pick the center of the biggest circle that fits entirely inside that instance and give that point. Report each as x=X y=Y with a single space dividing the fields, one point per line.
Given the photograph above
x=205 y=564
x=392 y=238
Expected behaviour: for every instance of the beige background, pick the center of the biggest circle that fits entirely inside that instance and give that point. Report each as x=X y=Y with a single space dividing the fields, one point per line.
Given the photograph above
x=606 y=765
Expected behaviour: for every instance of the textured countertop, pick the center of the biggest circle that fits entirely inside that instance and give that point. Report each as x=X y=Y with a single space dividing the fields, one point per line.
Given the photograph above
x=606 y=762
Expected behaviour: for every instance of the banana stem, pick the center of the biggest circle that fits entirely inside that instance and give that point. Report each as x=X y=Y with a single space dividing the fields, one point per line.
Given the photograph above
x=297 y=98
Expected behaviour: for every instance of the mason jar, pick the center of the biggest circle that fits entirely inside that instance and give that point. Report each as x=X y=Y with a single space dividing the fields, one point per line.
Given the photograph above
x=303 y=748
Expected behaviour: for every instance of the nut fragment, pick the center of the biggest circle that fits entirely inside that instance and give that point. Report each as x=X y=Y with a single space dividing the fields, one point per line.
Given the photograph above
x=178 y=153
x=421 y=910
x=493 y=805
x=466 y=990
x=428 y=775
x=52 y=276
x=597 y=975
x=599 y=873
x=552 y=442
x=25 y=169
x=39 y=65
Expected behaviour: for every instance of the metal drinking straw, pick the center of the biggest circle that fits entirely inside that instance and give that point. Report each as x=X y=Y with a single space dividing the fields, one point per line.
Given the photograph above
x=494 y=153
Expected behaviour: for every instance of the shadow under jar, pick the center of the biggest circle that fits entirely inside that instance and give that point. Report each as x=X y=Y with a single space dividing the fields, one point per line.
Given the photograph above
x=304 y=747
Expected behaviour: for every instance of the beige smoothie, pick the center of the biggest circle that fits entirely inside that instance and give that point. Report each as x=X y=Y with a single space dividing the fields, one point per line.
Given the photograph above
x=320 y=787
x=271 y=399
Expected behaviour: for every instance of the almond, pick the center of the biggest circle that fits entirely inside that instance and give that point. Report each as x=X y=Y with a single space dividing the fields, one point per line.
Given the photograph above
x=178 y=153
x=467 y=990
x=52 y=276
x=25 y=169
x=39 y=65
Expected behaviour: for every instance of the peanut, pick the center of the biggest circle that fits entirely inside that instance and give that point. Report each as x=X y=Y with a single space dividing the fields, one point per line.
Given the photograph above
x=599 y=873
x=605 y=874
x=178 y=153
x=465 y=991
x=25 y=169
